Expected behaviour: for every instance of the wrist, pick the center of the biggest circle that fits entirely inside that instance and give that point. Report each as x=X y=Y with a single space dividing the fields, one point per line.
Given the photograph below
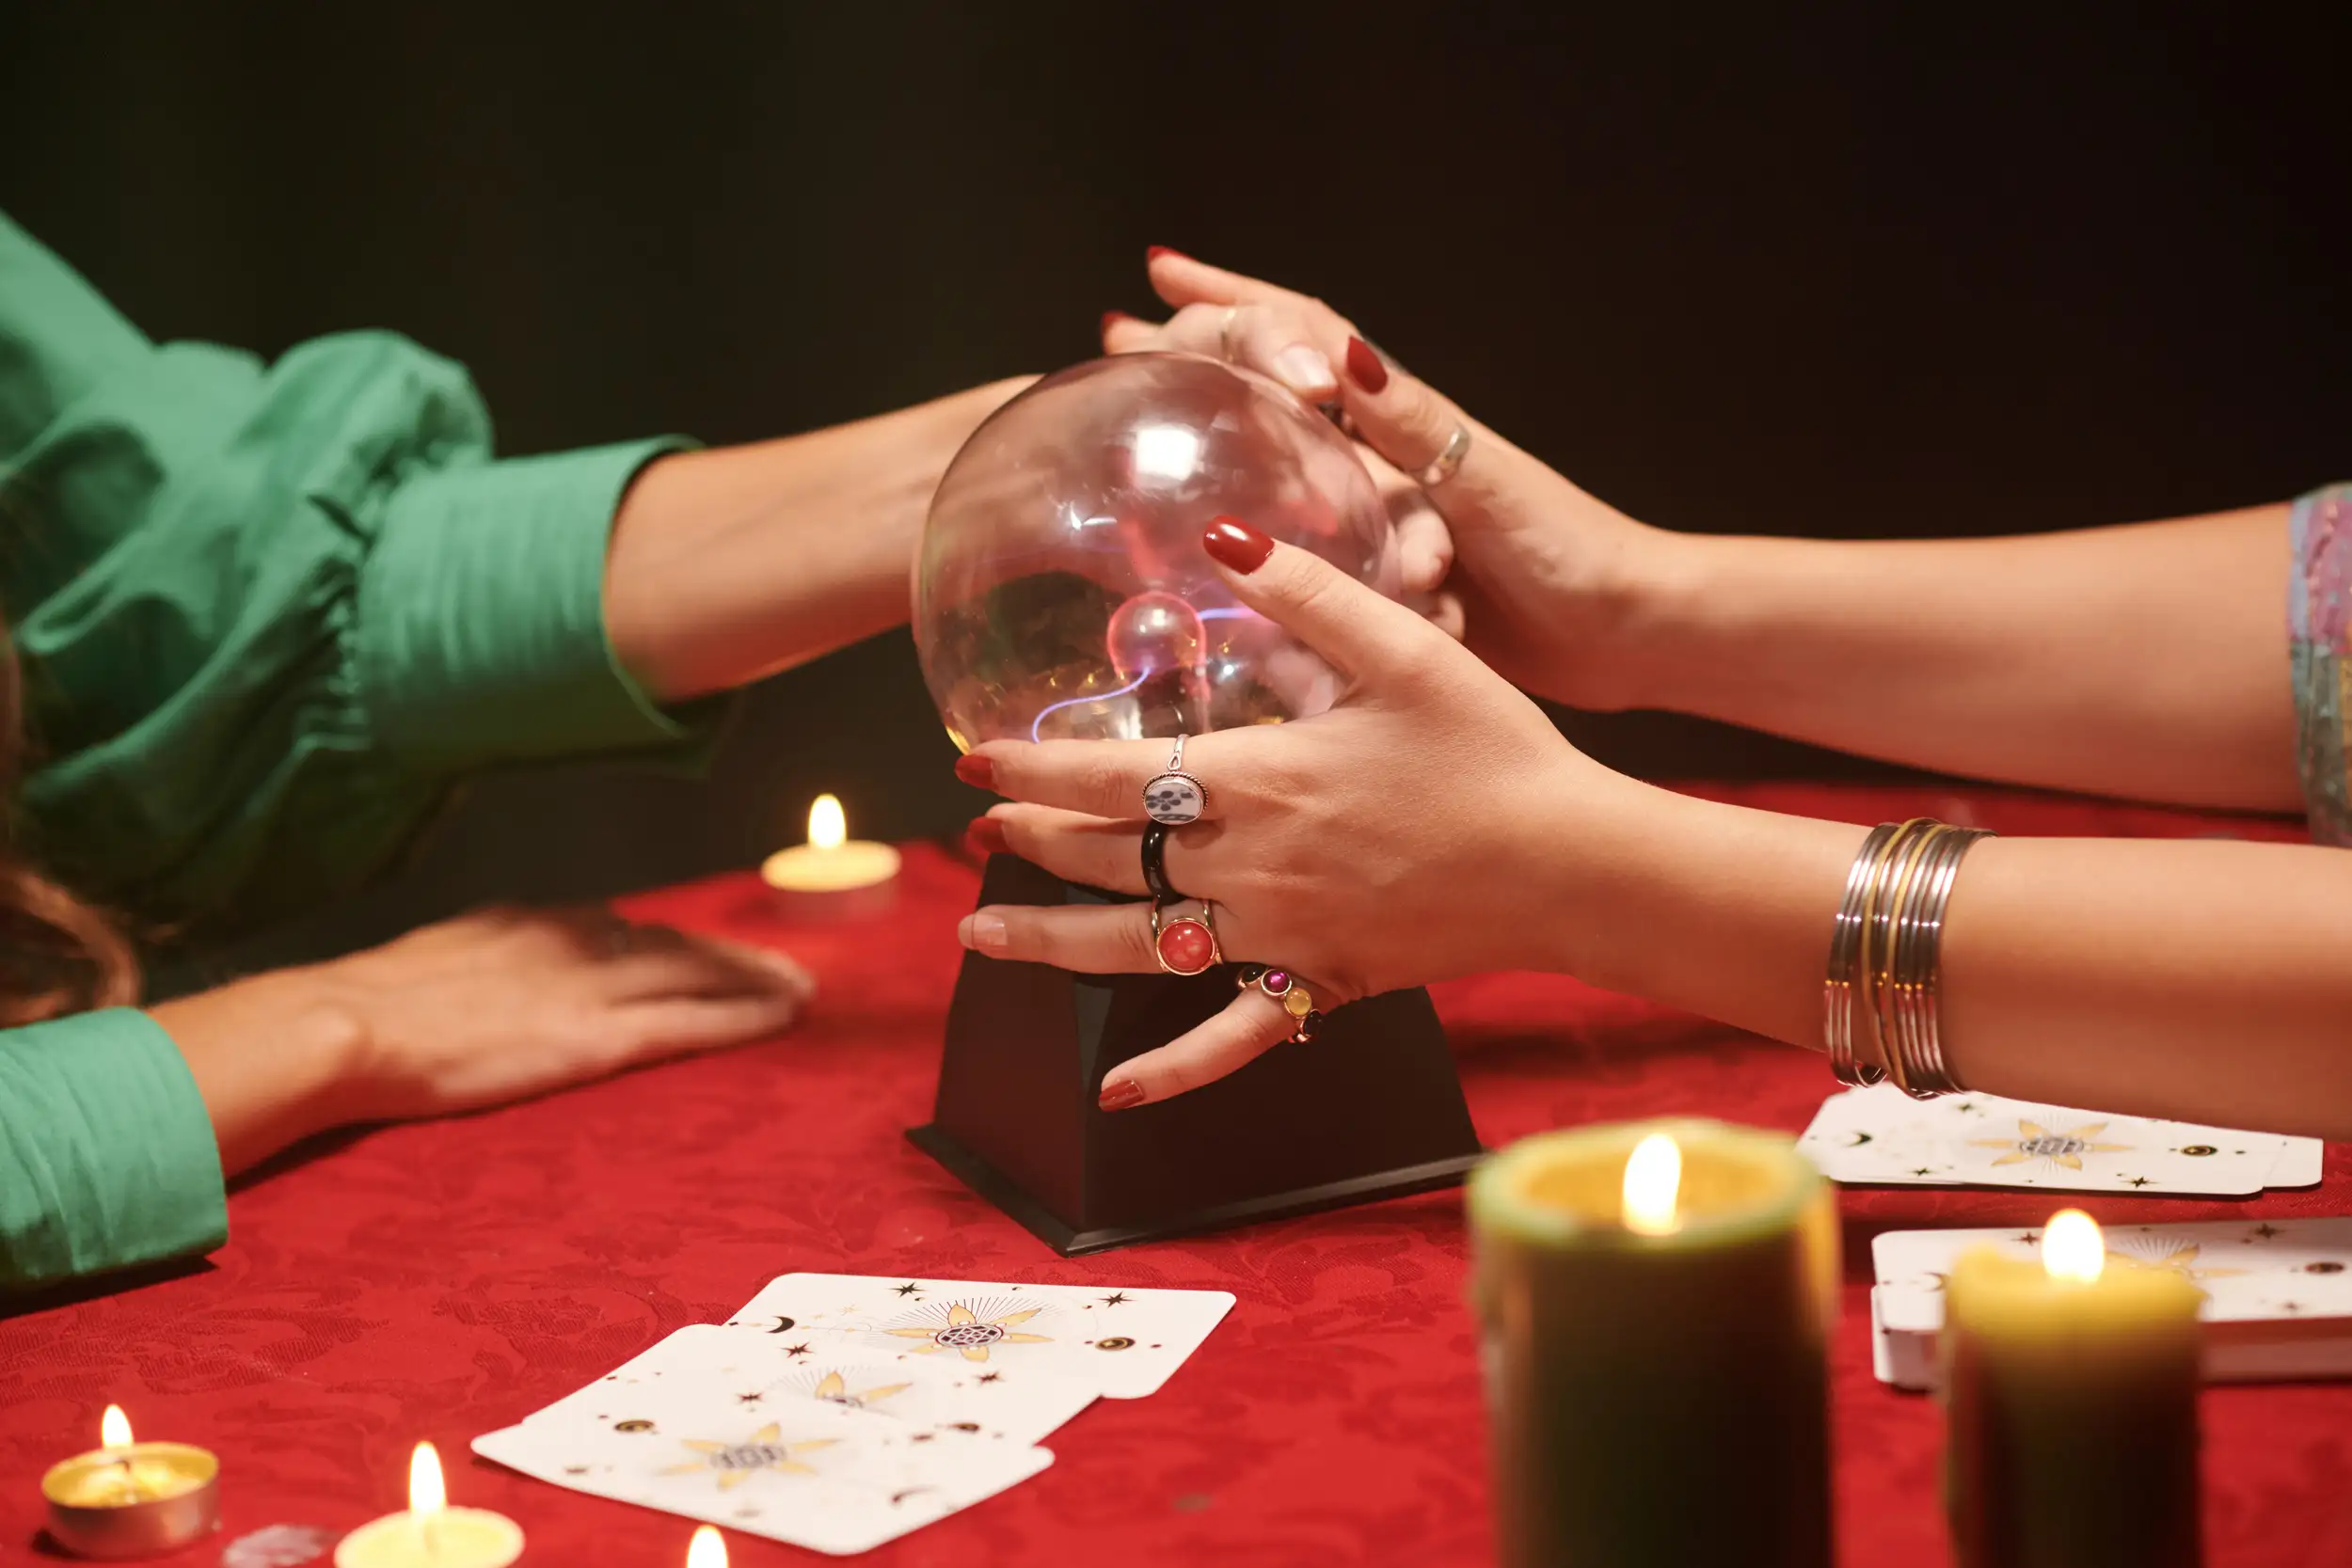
x=278 y=1058
x=1659 y=603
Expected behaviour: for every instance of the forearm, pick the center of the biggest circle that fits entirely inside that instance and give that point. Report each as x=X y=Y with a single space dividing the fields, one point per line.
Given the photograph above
x=2147 y=661
x=728 y=566
x=2202 y=980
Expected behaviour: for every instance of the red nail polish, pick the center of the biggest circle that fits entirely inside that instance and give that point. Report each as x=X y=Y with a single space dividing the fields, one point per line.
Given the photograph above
x=1112 y=318
x=1365 y=367
x=1118 y=1097
x=987 y=835
x=1236 y=545
x=978 y=771
x=1154 y=253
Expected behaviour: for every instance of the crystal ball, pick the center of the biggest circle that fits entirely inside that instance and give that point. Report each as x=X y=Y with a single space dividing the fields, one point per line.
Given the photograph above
x=1061 y=591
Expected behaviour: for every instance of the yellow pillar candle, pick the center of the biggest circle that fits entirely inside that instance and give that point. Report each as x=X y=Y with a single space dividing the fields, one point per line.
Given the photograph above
x=431 y=1534
x=130 y=1499
x=832 y=877
x=1656 y=1301
x=2070 y=1388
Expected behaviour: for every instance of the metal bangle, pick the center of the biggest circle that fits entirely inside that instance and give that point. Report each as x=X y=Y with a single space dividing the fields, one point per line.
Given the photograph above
x=1845 y=936
x=1879 y=901
x=1156 y=864
x=1919 y=964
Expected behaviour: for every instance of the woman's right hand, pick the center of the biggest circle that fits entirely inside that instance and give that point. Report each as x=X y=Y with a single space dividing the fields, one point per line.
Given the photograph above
x=491 y=1006
x=1552 y=581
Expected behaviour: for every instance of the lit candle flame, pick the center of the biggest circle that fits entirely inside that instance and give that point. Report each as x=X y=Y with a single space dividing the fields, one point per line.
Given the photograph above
x=1653 y=1183
x=114 y=1428
x=427 y=1495
x=2072 y=1247
x=706 y=1550
x=827 y=826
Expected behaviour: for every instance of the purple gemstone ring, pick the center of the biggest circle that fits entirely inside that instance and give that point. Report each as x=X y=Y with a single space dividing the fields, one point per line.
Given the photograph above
x=1288 y=990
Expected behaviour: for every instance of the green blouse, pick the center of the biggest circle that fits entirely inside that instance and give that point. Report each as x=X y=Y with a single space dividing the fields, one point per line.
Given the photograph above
x=266 y=615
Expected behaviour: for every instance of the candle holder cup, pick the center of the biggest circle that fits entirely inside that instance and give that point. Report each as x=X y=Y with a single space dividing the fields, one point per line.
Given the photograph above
x=1028 y=1046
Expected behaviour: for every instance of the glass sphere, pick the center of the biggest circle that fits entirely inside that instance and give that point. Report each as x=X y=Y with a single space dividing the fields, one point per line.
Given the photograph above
x=1061 y=592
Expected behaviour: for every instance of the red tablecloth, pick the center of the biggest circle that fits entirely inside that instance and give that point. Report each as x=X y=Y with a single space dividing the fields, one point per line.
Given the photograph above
x=444 y=1280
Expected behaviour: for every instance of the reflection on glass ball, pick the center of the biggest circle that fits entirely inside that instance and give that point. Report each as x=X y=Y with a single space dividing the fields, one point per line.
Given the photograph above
x=1061 y=591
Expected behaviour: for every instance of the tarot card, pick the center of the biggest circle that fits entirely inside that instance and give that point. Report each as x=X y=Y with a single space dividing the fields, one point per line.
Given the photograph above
x=2250 y=1270
x=1881 y=1136
x=952 y=1400
x=810 y=1472
x=2298 y=1163
x=1121 y=1343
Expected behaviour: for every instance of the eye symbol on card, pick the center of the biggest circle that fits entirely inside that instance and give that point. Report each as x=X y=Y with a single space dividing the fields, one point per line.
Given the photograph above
x=1116 y=1342
x=734 y=1464
x=967 y=1333
x=2198 y=1151
x=632 y=1426
x=2035 y=1142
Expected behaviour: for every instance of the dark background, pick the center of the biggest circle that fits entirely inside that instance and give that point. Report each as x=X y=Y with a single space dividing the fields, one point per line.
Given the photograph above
x=1859 y=273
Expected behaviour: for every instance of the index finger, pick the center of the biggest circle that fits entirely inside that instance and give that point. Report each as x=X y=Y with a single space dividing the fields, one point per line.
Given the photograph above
x=1101 y=778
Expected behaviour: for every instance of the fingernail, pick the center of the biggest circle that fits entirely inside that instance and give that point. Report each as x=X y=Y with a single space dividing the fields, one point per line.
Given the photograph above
x=1365 y=367
x=1236 y=545
x=982 y=933
x=1119 y=1095
x=1304 y=370
x=987 y=835
x=977 y=771
x=1154 y=253
x=1112 y=318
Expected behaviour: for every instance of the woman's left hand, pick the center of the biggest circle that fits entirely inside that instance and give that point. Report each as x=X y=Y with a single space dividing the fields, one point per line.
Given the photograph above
x=1419 y=829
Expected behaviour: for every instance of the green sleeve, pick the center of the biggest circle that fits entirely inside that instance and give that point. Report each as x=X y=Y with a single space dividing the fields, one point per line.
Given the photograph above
x=268 y=613
x=107 y=1155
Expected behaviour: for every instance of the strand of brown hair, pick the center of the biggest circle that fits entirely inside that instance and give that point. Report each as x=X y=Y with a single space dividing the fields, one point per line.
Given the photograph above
x=57 y=955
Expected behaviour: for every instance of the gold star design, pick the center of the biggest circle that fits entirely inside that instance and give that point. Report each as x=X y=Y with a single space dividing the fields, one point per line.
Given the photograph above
x=736 y=1463
x=970 y=1336
x=832 y=1388
x=2064 y=1149
x=795 y=1350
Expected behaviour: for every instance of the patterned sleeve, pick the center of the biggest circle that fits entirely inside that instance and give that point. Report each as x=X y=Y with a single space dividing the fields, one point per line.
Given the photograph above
x=2319 y=634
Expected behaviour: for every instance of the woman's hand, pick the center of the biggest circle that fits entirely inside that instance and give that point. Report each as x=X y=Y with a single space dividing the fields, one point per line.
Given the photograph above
x=1293 y=339
x=468 y=1013
x=1552 y=581
x=1422 y=828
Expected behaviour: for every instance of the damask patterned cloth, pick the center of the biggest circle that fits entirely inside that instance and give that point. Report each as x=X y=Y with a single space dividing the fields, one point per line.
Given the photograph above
x=2319 y=638
x=439 y=1280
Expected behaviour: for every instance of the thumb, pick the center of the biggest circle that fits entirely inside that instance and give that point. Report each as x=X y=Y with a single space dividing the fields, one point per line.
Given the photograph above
x=1363 y=634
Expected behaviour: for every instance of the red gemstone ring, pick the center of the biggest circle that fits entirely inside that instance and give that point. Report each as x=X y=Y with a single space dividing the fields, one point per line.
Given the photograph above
x=1185 y=945
x=1291 y=991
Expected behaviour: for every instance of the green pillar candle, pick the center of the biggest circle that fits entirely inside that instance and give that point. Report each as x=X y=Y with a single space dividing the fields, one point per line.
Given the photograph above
x=1657 y=1371
x=2069 y=1394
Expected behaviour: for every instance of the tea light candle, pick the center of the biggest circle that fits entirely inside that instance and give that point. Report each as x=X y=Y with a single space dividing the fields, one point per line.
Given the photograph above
x=1656 y=1303
x=2070 y=1391
x=832 y=877
x=431 y=1534
x=127 y=1499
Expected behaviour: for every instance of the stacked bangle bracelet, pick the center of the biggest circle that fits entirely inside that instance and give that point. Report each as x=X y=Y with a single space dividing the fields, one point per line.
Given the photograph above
x=1885 y=949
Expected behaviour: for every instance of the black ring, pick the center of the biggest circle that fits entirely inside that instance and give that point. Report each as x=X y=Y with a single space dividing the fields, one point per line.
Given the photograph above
x=1155 y=865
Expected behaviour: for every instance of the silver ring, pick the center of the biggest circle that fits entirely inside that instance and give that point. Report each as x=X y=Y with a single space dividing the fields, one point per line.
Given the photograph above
x=1225 y=333
x=1449 y=462
x=1174 y=797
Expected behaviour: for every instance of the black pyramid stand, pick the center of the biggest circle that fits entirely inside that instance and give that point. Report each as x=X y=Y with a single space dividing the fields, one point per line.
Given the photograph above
x=1370 y=1108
